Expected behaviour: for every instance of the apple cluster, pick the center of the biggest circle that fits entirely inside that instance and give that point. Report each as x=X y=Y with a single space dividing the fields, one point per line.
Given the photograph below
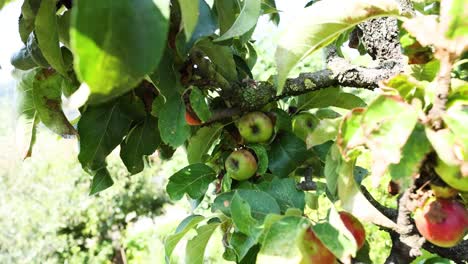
x=254 y=127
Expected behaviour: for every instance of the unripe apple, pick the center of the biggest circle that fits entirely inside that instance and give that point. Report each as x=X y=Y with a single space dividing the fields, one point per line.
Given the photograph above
x=444 y=192
x=452 y=175
x=314 y=251
x=241 y=165
x=255 y=127
x=191 y=120
x=303 y=124
x=355 y=227
x=442 y=222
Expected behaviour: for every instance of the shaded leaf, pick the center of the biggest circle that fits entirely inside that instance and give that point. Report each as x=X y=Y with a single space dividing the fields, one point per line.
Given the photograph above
x=221 y=57
x=47 y=35
x=286 y=154
x=246 y=20
x=241 y=217
x=189 y=10
x=141 y=141
x=200 y=143
x=101 y=129
x=286 y=194
x=172 y=125
x=329 y=97
x=101 y=181
x=261 y=203
x=262 y=158
x=193 y=180
x=199 y=105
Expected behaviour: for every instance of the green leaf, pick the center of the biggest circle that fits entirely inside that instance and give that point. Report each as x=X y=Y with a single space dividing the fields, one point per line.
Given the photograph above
x=241 y=217
x=47 y=92
x=243 y=245
x=456 y=118
x=286 y=154
x=425 y=72
x=387 y=124
x=283 y=120
x=190 y=13
x=326 y=130
x=332 y=169
x=407 y=87
x=206 y=26
x=142 y=140
x=458 y=26
x=412 y=156
x=281 y=242
x=334 y=240
x=101 y=181
x=27 y=18
x=227 y=11
x=261 y=203
x=117 y=42
x=336 y=236
x=27 y=118
x=195 y=250
x=199 y=105
x=329 y=97
x=165 y=77
x=22 y=60
x=47 y=35
x=3 y=3
x=319 y=25
x=200 y=143
x=172 y=125
x=35 y=51
x=221 y=57
x=262 y=157
x=101 y=129
x=286 y=194
x=246 y=20
x=351 y=197
x=63 y=24
x=193 y=180
x=350 y=134
x=184 y=227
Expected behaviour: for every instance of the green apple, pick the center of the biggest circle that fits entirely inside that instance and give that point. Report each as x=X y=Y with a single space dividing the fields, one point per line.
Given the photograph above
x=241 y=165
x=255 y=127
x=452 y=175
x=303 y=124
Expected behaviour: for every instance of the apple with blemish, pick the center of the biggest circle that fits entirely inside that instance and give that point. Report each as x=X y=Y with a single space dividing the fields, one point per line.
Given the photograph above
x=241 y=165
x=442 y=222
x=255 y=127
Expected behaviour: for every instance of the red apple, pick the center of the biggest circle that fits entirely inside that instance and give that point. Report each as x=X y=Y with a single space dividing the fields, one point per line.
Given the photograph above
x=355 y=227
x=442 y=222
x=314 y=251
x=191 y=120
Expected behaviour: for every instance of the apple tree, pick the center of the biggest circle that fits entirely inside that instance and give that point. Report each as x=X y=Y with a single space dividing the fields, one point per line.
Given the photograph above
x=156 y=75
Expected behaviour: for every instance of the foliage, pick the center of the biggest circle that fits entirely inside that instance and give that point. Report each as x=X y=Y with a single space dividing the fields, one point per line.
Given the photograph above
x=140 y=68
